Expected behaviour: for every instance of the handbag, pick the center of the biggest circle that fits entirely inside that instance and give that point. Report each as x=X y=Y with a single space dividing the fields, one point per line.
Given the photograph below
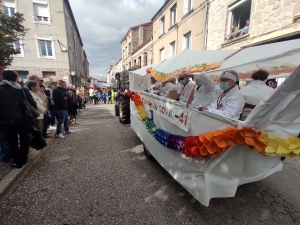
x=36 y=139
x=30 y=111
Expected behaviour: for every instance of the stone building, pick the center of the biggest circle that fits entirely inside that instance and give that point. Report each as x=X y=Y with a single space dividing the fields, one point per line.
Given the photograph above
x=178 y=25
x=270 y=21
x=136 y=50
x=135 y=37
x=52 y=48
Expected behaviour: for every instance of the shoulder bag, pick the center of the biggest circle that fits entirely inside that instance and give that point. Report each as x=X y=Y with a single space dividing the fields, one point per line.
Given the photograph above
x=30 y=111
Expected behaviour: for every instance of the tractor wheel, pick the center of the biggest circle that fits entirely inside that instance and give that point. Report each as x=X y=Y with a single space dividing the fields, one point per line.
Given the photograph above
x=117 y=109
x=148 y=154
x=124 y=110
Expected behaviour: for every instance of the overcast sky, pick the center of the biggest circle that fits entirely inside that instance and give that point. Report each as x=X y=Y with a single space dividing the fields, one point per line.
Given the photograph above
x=102 y=25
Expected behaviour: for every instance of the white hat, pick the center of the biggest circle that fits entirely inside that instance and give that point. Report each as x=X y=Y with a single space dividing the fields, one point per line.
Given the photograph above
x=229 y=75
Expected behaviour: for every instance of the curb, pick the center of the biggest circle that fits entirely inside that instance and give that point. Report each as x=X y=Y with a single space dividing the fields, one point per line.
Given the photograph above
x=10 y=181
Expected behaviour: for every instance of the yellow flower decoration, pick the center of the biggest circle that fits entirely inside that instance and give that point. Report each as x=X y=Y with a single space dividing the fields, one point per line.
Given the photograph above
x=288 y=147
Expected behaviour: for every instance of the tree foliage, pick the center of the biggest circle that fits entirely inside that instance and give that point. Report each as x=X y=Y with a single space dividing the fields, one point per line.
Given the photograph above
x=11 y=29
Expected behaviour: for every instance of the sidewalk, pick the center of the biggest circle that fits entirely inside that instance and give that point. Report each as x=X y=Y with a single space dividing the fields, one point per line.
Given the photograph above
x=10 y=177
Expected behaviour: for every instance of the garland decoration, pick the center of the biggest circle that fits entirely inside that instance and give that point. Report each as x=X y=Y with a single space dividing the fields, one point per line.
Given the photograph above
x=289 y=147
x=163 y=77
x=218 y=141
x=214 y=143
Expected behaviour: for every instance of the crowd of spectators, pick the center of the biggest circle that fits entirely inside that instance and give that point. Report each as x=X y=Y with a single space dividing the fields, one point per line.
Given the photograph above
x=57 y=105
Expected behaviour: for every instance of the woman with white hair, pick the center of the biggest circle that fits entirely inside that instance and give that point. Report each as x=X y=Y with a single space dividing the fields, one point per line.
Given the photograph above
x=230 y=102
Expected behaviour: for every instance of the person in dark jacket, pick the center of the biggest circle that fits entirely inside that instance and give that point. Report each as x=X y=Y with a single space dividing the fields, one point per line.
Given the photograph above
x=61 y=107
x=13 y=120
x=4 y=145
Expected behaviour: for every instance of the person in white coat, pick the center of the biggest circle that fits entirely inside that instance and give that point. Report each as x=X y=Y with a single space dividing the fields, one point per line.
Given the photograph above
x=188 y=86
x=205 y=91
x=230 y=102
x=34 y=88
x=255 y=91
x=166 y=87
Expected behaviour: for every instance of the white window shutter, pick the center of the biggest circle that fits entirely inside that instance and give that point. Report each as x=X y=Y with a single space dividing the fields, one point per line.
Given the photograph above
x=183 y=42
x=41 y=10
x=173 y=17
x=8 y=3
x=170 y=50
x=185 y=7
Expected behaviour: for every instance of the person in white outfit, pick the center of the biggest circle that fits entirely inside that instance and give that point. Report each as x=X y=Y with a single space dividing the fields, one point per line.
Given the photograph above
x=205 y=91
x=34 y=88
x=255 y=91
x=167 y=87
x=230 y=102
x=188 y=86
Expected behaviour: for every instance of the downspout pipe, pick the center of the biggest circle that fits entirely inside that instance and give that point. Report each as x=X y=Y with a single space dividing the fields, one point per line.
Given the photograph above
x=206 y=23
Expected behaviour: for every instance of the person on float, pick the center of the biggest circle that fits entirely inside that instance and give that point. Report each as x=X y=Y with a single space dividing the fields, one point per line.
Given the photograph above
x=230 y=101
x=188 y=86
x=255 y=91
x=166 y=87
x=205 y=91
x=155 y=85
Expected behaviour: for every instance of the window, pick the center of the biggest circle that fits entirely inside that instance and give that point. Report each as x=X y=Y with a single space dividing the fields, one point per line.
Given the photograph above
x=17 y=45
x=41 y=12
x=129 y=47
x=9 y=7
x=172 y=51
x=23 y=74
x=129 y=65
x=123 y=54
x=239 y=13
x=45 y=48
x=188 y=4
x=173 y=14
x=145 y=58
x=187 y=41
x=162 y=54
x=162 y=26
x=140 y=61
x=126 y=52
x=134 y=63
x=48 y=74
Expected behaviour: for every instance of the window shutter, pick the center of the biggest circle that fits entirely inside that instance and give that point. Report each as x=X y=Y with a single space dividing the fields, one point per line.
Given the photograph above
x=173 y=17
x=185 y=7
x=9 y=3
x=183 y=42
x=170 y=51
x=41 y=10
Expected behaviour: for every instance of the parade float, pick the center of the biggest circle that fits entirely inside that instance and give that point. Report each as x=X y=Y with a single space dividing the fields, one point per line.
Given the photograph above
x=208 y=154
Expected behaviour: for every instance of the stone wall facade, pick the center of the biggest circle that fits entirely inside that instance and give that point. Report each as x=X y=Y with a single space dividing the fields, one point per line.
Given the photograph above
x=136 y=35
x=270 y=21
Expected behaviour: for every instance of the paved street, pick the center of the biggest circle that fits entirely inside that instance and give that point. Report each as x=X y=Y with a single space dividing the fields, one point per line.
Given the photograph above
x=99 y=175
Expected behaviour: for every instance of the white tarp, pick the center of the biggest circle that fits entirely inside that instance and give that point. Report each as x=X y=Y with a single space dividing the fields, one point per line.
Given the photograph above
x=219 y=176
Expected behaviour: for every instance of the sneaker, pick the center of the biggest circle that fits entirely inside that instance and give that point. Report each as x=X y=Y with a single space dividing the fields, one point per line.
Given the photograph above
x=60 y=136
x=69 y=132
x=73 y=122
x=52 y=128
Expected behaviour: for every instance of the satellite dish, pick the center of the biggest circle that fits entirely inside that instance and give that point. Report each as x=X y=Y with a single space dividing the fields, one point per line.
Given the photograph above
x=72 y=73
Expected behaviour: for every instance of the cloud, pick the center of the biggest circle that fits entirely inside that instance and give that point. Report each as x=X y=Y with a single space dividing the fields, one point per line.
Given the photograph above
x=102 y=25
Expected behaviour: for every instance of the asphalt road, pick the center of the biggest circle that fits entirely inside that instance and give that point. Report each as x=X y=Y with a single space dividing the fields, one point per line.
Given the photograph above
x=99 y=175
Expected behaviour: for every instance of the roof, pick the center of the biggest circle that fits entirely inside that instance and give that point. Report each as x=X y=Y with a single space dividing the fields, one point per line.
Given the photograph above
x=161 y=8
x=136 y=26
x=74 y=21
x=118 y=61
x=142 y=45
